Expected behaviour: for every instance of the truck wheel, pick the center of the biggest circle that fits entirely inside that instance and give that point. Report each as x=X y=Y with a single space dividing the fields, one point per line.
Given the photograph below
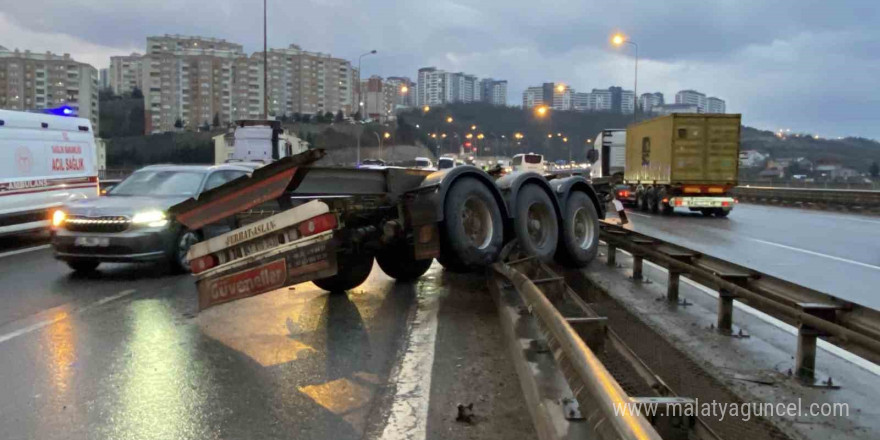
x=580 y=231
x=721 y=212
x=664 y=208
x=707 y=212
x=535 y=223
x=642 y=201
x=472 y=230
x=654 y=201
x=399 y=262
x=351 y=271
x=83 y=265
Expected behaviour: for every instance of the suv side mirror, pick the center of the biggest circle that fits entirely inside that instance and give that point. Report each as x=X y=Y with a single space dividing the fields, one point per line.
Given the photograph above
x=592 y=155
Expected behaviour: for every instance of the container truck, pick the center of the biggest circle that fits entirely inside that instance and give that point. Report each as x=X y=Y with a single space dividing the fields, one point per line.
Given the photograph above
x=302 y=222
x=683 y=160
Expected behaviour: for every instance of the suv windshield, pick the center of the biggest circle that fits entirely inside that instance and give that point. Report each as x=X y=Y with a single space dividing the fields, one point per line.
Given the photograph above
x=159 y=183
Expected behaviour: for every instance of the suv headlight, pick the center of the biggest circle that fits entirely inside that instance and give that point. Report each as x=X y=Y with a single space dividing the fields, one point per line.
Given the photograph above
x=153 y=219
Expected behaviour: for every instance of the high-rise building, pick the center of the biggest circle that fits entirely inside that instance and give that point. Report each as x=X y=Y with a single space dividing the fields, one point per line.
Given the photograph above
x=124 y=74
x=199 y=80
x=104 y=78
x=649 y=100
x=436 y=87
x=627 y=101
x=692 y=97
x=561 y=97
x=533 y=97
x=493 y=91
x=600 y=100
x=37 y=81
x=405 y=91
x=580 y=102
x=715 y=105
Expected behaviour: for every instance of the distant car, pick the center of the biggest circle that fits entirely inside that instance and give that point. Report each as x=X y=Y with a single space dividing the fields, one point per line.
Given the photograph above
x=424 y=163
x=445 y=162
x=528 y=162
x=130 y=224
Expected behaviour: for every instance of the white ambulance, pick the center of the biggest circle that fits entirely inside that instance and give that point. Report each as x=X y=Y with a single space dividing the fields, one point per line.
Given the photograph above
x=45 y=161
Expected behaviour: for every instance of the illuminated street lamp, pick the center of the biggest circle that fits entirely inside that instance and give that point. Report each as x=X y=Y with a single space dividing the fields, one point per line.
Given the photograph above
x=560 y=88
x=449 y=119
x=426 y=109
x=480 y=136
x=541 y=110
x=469 y=136
x=360 y=99
x=549 y=135
x=565 y=139
x=404 y=89
x=443 y=135
x=387 y=135
x=473 y=127
x=518 y=135
x=619 y=40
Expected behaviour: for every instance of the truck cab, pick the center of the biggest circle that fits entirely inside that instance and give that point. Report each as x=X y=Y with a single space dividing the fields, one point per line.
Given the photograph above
x=610 y=146
x=262 y=141
x=528 y=162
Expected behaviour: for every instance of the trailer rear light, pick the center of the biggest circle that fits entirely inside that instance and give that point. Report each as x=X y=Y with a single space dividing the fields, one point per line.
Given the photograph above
x=665 y=200
x=725 y=204
x=735 y=200
x=716 y=190
x=202 y=263
x=316 y=225
x=677 y=202
x=692 y=189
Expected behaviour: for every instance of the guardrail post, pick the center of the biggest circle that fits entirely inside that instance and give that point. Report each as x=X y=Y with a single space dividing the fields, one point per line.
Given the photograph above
x=672 y=286
x=637 y=267
x=805 y=360
x=725 y=311
x=612 y=255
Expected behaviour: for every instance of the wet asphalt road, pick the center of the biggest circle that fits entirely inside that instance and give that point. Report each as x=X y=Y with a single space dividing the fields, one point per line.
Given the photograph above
x=835 y=253
x=122 y=354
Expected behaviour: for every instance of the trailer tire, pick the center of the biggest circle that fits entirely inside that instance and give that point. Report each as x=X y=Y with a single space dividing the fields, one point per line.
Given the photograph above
x=352 y=270
x=664 y=208
x=721 y=212
x=642 y=200
x=654 y=201
x=535 y=224
x=579 y=243
x=707 y=212
x=399 y=262
x=472 y=232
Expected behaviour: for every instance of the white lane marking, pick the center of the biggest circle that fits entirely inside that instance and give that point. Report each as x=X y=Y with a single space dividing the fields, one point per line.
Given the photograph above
x=21 y=251
x=62 y=316
x=830 y=257
x=830 y=348
x=637 y=214
x=412 y=377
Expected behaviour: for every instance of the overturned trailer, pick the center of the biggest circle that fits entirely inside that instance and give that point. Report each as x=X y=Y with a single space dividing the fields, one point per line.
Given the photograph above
x=300 y=222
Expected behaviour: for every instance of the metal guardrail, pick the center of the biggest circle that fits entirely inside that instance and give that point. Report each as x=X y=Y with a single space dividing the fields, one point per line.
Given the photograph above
x=596 y=390
x=867 y=199
x=816 y=315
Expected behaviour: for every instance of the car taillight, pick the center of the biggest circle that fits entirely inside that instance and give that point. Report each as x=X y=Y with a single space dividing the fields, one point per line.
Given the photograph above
x=316 y=225
x=202 y=263
x=623 y=193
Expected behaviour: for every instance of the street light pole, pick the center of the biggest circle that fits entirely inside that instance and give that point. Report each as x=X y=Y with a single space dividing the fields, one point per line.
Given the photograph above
x=265 y=68
x=360 y=97
x=617 y=40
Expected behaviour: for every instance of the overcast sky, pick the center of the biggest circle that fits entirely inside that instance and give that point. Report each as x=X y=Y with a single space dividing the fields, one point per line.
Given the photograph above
x=808 y=65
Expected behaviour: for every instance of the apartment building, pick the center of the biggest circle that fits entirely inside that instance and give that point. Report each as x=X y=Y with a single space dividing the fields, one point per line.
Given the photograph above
x=404 y=91
x=715 y=105
x=437 y=87
x=37 y=81
x=199 y=80
x=124 y=74
x=692 y=97
x=493 y=91
x=648 y=101
x=533 y=97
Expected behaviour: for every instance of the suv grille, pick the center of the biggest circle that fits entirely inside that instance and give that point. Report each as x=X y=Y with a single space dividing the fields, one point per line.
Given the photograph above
x=97 y=224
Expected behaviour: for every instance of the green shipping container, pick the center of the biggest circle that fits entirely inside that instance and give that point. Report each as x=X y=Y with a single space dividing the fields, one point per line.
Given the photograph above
x=683 y=148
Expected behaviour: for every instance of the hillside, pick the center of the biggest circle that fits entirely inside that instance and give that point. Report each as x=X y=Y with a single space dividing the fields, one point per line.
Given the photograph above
x=851 y=152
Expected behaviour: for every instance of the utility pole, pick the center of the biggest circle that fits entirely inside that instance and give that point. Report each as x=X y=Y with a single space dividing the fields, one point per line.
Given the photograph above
x=265 y=68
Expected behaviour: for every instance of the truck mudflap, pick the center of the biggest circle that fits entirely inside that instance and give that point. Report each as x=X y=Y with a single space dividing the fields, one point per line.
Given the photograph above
x=305 y=260
x=702 y=202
